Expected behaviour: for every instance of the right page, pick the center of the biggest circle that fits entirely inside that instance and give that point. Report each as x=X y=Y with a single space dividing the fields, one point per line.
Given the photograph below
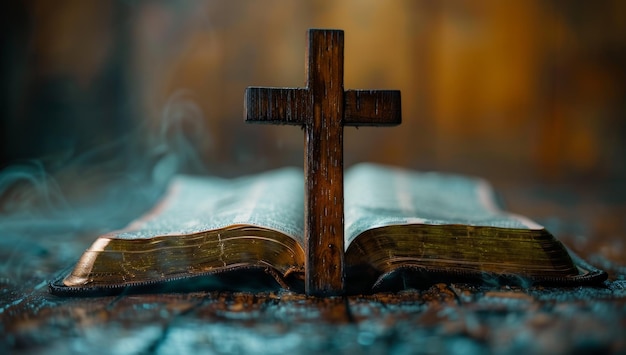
x=399 y=221
x=377 y=196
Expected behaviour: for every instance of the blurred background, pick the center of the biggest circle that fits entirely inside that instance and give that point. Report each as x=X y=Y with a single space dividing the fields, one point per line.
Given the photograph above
x=509 y=90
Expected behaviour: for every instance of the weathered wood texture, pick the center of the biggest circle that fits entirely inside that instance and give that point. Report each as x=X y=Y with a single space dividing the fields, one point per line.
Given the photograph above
x=322 y=109
x=440 y=318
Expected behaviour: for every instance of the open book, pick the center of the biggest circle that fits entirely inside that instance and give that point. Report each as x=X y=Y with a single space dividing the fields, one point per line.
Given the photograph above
x=402 y=229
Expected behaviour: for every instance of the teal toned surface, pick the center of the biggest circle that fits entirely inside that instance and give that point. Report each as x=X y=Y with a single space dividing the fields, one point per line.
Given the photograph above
x=444 y=317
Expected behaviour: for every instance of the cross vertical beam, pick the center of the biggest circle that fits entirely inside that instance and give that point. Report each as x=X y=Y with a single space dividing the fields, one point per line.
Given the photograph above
x=323 y=108
x=323 y=161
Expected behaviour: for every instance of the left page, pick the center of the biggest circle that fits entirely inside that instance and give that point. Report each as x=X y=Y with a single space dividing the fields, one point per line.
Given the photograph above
x=193 y=204
x=202 y=226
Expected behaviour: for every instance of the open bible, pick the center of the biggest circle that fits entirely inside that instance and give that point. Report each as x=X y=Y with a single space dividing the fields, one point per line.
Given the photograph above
x=402 y=229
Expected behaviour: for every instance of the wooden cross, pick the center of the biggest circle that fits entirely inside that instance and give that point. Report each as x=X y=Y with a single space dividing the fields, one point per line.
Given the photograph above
x=322 y=108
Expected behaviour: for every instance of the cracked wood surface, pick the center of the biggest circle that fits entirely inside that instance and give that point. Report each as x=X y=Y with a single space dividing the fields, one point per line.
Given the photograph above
x=438 y=318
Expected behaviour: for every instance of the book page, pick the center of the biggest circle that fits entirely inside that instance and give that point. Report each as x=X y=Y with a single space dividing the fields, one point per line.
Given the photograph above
x=377 y=196
x=194 y=204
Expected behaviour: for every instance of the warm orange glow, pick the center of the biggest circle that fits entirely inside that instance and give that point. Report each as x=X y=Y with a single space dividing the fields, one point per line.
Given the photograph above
x=497 y=88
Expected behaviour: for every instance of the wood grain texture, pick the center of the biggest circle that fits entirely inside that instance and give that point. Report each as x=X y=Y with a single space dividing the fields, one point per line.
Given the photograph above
x=323 y=162
x=276 y=105
x=372 y=108
x=323 y=108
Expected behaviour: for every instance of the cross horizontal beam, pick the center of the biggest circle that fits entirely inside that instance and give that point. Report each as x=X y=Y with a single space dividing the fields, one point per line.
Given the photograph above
x=291 y=106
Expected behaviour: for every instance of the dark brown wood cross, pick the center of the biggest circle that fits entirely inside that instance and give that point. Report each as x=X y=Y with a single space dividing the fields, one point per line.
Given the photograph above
x=322 y=108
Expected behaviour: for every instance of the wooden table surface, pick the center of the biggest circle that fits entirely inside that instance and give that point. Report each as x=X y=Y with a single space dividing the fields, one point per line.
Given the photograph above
x=450 y=318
